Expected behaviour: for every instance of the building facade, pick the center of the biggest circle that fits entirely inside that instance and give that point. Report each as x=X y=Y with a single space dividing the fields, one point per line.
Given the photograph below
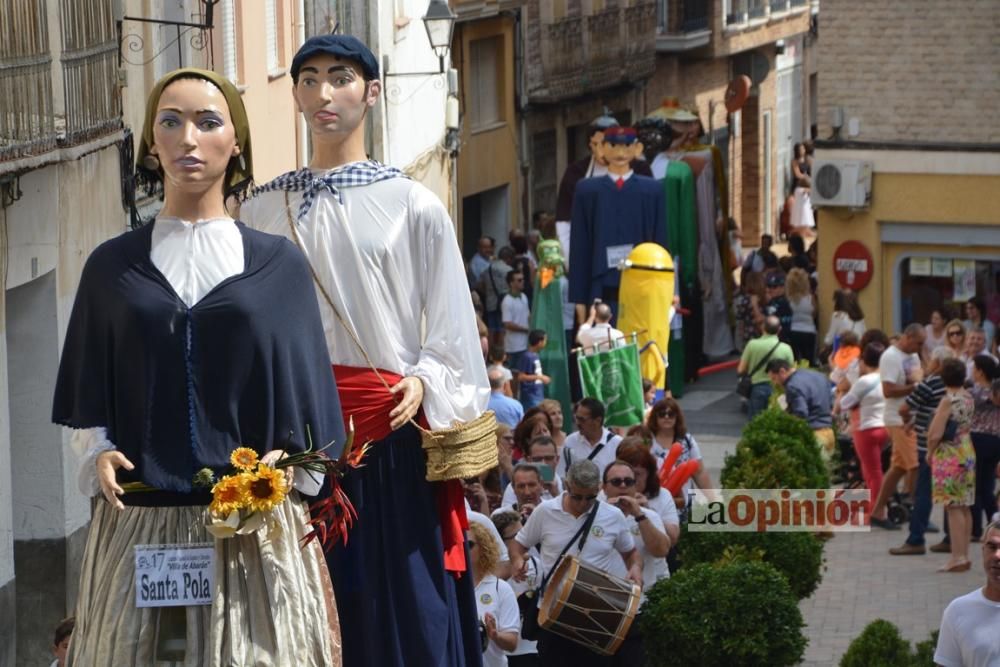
x=701 y=45
x=489 y=162
x=908 y=93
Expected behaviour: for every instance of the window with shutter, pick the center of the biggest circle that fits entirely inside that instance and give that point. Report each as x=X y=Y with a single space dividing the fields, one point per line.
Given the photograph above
x=271 y=28
x=230 y=52
x=485 y=98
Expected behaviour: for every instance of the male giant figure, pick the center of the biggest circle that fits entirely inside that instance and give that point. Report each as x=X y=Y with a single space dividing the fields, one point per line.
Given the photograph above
x=391 y=279
x=611 y=215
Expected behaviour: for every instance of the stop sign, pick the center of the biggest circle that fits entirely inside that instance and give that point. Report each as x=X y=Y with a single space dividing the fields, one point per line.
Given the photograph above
x=853 y=265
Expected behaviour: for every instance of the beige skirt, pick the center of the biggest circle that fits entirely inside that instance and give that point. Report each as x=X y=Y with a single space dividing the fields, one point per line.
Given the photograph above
x=272 y=606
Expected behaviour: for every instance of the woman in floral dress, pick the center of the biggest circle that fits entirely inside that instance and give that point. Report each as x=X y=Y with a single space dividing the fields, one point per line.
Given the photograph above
x=953 y=461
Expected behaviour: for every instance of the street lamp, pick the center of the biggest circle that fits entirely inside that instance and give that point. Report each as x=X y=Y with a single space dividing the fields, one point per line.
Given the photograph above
x=439 y=21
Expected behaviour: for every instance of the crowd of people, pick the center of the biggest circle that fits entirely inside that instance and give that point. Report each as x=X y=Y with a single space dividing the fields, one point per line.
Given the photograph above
x=927 y=399
x=547 y=485
x=916 y=413
x=137 y=380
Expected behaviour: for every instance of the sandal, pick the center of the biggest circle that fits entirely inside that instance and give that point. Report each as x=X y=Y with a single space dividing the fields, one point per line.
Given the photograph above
x=961 y=566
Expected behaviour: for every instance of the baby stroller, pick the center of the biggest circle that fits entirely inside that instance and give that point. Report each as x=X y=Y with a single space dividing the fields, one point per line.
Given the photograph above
x=849 y=475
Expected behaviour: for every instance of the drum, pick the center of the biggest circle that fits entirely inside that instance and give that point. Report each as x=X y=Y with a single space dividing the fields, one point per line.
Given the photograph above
x=588 y=606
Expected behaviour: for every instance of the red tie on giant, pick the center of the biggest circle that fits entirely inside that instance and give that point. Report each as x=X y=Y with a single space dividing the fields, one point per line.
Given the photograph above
x=620 y=182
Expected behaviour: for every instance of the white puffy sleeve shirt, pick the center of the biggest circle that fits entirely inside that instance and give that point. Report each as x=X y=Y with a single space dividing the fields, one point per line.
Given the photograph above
x=389 y=259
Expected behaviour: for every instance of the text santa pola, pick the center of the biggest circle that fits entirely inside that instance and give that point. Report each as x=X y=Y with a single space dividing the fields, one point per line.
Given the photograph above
x=174 y=575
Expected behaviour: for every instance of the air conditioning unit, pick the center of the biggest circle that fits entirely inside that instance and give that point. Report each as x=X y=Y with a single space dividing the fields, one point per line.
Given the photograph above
x=842 y=183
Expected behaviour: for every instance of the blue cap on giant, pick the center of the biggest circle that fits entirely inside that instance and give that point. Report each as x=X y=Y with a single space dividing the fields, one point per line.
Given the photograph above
x=342 y=46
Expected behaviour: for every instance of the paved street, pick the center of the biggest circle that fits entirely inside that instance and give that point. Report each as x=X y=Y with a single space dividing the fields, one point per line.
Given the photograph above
x=861 y=581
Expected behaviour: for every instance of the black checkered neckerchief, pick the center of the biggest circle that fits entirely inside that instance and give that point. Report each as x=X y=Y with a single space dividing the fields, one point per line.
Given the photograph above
x=305 y=180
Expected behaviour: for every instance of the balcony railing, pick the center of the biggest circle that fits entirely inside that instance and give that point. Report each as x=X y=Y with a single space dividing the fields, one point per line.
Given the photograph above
x=90 y=67
x=695 y=15
x=742 y=11
x=681 y=16
x=577 y=55
x=27 y=119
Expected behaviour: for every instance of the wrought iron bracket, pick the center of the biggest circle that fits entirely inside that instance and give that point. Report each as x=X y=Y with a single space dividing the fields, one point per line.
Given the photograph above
x=181 y=27
x=386 y=74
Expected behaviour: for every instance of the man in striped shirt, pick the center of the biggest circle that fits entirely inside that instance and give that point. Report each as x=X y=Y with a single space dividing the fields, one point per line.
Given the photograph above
x=918 y=411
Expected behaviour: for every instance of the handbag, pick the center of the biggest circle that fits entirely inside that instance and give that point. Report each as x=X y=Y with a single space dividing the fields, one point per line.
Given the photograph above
x=462 y=451
x=950 y=431
x=529 y=619
x=744 y=384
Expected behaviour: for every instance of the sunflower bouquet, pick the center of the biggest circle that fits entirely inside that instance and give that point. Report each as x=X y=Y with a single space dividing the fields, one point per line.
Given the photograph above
x=243 y=501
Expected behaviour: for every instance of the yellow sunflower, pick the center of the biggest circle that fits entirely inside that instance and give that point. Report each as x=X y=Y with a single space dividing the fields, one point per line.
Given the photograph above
x=243 y=458
x=230 y=493
x=265 y=488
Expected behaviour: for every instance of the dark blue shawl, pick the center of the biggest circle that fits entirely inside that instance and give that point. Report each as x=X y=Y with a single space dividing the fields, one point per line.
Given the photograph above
x=179 y=388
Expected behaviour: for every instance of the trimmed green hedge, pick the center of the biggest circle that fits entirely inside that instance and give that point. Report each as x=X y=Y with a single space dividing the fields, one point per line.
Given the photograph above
x=797 y=556
x=776 y=451
x=718 y=615
x=881 y=643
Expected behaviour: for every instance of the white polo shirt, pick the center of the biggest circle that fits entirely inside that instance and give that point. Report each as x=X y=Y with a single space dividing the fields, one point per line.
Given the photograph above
x=494 y=596
x=654 y=568
x=552 y=527
x=577 y=448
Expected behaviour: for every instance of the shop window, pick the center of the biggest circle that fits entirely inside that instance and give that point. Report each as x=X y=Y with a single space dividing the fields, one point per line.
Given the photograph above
x=947 y=283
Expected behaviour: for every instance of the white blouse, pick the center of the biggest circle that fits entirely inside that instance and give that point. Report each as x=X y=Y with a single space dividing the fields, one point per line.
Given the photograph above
x=195 y=257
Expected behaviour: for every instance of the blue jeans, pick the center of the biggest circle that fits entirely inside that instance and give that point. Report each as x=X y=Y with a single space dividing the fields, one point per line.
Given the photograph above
x=760 y=393
x=987 y=455
x=922 y=504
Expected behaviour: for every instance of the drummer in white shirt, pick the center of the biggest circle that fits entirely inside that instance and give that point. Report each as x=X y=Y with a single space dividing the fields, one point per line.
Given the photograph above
x=609 y=547
x=591 y=441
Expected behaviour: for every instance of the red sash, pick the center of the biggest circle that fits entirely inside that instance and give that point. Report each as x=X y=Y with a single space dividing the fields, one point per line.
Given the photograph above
x=364 y=398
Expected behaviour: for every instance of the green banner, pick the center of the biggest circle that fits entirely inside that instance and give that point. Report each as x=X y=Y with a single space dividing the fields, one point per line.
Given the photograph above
x=613 y=377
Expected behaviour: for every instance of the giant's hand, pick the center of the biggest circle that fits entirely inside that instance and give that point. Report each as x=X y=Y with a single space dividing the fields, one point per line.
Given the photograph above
x=273 y=457
x=107 y=463
x=412 y=391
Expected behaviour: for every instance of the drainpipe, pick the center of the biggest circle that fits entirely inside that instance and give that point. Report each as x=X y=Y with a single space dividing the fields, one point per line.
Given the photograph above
x=303 y=129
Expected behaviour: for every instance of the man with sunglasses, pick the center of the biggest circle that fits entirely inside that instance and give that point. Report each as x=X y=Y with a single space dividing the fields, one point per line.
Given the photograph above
x=646 y=526
x=609 y=547
x=651 y=541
